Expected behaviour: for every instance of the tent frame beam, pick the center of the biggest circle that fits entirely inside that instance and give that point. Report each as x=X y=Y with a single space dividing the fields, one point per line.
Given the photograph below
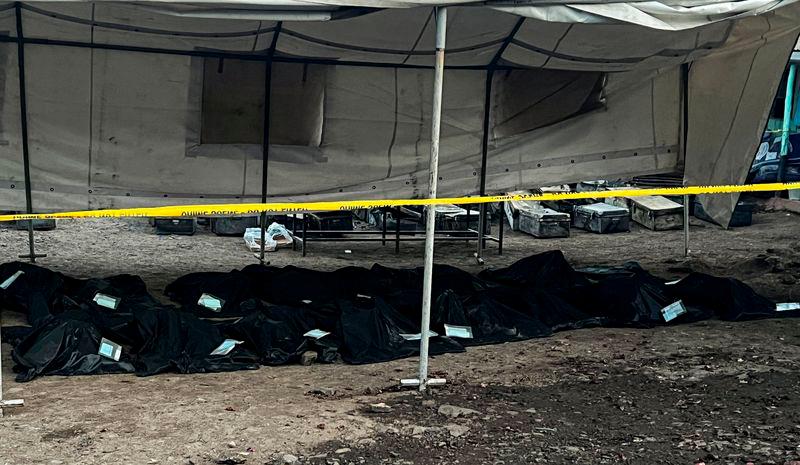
x=239 y=55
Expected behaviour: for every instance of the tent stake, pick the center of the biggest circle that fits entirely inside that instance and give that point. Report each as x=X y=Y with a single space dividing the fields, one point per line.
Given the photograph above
x=433 y=180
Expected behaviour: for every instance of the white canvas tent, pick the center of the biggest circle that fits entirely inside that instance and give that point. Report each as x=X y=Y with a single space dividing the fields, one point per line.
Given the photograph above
x=117 y=104
x=153 y=103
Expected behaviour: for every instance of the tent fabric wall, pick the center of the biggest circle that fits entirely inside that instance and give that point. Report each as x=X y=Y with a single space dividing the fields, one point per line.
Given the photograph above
x=730 y=95
x=122 y=128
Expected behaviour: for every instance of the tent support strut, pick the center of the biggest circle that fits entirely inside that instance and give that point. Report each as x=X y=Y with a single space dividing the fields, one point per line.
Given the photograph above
x=265 y=142
x=24 y=115
x=487 y=102
x=23 y=110
x=430 y=220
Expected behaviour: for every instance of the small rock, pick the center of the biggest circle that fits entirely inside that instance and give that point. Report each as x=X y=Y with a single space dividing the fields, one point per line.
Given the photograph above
x=456 y=430
x=343 y=450
x=379 y=408
x=453 y=411
x=429 y=403
x=323 y=391
x=308 y=358
x=788 y=279
x=232 y=445
x=230 y=461
x=366 y=442
x=289 y=459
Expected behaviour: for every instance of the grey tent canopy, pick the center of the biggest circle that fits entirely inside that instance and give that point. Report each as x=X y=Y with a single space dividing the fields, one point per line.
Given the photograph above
x=160 y=102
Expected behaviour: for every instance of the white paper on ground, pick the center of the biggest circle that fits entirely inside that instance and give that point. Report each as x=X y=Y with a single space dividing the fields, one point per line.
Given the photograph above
x=211 y=302
x=463 y=332
x=10 y=280
x=316 y=333
x=109 y=349
x=226 y=347
x=672 y=311
x=106 y=301
x=417 y=336
x=788 y=306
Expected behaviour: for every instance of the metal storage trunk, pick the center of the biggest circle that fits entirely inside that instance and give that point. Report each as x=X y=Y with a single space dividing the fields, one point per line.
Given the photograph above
x=331 y=221
x=657 y=213
x=233 y=225
x=38 y=225
x=182 y=226
x=602 y=218
x=455 y=218
x=544 y=222
x=410 y=220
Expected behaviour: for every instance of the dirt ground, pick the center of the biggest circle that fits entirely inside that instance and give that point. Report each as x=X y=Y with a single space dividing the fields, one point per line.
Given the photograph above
x=713 y=392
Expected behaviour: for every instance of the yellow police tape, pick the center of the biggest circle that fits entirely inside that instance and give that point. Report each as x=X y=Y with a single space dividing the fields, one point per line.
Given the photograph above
x=253 y=208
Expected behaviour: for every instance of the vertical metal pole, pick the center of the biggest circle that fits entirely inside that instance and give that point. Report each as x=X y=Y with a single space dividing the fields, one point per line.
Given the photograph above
x=265 y=155
x=787 y=120
x=500 y=228
x=685 y=225
x=430 y=220
x=685 y=143
x=265 y=142
x=487 y=102
x=1 y=365
x=383 y=229
x=305 y=228
x=23 y=109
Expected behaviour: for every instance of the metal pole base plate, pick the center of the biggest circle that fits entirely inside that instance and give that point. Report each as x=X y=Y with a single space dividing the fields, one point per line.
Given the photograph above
x=10 y=403
x=415 y=382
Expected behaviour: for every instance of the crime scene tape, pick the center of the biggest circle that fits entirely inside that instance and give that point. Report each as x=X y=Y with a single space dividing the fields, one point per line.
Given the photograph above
x=291 y=207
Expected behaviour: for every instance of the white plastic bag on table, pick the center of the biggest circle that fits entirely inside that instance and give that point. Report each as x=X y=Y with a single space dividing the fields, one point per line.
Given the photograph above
x=275 y=236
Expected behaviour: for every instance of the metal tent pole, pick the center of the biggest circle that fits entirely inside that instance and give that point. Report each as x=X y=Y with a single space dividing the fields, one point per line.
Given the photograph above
x=685 y=225
x=23 y=110
x=484 y=154
x=265 y=142
x=430 y=220
x=685 y=142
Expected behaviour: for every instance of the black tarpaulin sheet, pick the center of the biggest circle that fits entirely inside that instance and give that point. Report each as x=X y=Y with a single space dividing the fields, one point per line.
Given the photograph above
x=491 y=322
x=727 y=298
x=625 y=295
x=277 y=333
x=174 y=341
x=547 y=270
x=63 y=345
x=36 y=292
x=231 y=288
x=371 y=331
x=370 y=314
